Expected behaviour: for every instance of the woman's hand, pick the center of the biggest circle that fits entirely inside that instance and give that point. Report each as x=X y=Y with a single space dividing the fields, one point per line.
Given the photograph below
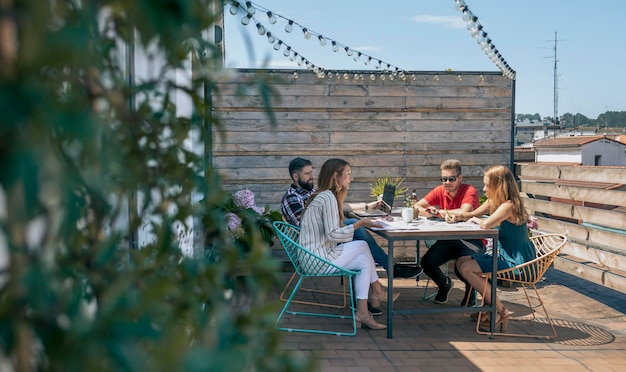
x=367 y=222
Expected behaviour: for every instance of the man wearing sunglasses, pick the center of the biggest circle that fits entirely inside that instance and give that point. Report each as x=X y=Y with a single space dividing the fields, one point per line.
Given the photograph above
x=451 y=195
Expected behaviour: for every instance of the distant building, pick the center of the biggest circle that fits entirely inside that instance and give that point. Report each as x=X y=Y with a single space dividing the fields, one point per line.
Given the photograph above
x=584 y=150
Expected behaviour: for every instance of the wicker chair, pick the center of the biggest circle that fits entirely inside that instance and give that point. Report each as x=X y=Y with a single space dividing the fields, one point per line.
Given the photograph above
x=309 y=265
x=547 y=247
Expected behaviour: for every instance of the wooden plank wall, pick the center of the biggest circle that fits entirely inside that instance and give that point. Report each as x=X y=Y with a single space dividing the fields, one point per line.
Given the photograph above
x=402 y=127
x=586 y=203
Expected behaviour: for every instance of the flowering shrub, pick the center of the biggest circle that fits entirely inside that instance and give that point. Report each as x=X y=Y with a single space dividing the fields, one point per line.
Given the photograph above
x=242 y=213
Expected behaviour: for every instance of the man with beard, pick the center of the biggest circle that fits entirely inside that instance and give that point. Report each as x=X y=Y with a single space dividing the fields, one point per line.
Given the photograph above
x=451 y=195
x=292 y=205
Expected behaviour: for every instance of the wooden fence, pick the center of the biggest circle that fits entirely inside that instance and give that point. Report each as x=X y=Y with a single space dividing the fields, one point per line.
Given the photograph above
x=405 y=128
x=588 y=204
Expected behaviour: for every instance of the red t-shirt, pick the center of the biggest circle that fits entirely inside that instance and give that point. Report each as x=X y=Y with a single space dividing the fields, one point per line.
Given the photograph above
x=466 y=194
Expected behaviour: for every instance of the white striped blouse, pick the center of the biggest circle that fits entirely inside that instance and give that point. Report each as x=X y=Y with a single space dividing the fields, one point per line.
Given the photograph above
x=319 y=228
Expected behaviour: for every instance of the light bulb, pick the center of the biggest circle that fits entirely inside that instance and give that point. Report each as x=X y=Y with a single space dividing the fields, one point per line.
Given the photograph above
x=250 y=8
x=270 y=38
x=260 y=29
x=348 y=51
x=345 y=76
x=293 y=57
x=271 y=18
x=295 y=74
x=335 y=47
x=378 y=64
x=477 y=31
x=278 y=45
x=382 y=77
x=245 y=20
x=300 y=61
x=357 y=56
x=367 y=61
x=234 y=8
x=459 y=4
x=289 y=26
x=467 y=15
x=307 y=34
x=322 y=40
x=372 y=77
x=287 y=52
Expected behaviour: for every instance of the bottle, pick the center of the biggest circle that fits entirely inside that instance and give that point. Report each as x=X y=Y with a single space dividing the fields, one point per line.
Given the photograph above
x=413 y=198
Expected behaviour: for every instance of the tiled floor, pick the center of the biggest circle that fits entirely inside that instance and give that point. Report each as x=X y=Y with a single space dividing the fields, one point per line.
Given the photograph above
x=590 y=322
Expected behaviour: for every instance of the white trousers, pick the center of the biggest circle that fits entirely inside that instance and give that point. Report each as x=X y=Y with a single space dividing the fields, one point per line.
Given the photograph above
x=356 y=255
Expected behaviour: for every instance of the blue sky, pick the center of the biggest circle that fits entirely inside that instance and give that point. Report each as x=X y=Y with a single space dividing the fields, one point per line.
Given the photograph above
x=430 y=35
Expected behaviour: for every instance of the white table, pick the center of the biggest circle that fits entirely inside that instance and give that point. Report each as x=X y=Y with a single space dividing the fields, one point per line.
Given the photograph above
x=422 y=229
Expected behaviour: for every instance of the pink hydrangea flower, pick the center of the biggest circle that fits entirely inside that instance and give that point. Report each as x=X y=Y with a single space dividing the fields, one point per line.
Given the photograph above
x=244 y=199
x=233 y=221
x=532 y=223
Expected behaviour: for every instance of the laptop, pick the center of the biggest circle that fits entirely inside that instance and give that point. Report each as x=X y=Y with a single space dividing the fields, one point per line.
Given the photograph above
x=389 y=194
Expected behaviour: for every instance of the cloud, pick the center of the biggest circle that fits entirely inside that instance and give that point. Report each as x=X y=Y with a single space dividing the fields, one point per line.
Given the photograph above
x=446 y=21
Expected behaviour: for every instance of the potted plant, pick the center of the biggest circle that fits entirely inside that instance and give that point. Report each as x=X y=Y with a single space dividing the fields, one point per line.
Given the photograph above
x=377 y=188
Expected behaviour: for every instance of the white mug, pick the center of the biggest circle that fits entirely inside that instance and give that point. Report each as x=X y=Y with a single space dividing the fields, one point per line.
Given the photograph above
x=407 y=214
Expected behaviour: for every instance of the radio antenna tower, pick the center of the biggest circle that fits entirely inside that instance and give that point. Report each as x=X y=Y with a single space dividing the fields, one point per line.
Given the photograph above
x=556 y=86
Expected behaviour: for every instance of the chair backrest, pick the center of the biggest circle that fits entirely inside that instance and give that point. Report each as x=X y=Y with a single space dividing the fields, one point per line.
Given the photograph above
x=304 y=261
x=547 y=247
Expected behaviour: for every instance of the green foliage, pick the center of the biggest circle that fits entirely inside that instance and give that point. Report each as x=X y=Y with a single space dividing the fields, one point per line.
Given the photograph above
x=90 y=159
x=378 y=186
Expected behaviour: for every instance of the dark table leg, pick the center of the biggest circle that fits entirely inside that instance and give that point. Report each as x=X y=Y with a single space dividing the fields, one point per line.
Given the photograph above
x=390 y=264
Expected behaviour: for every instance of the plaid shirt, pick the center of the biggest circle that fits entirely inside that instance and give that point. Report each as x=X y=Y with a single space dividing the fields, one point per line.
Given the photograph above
x=293 y=202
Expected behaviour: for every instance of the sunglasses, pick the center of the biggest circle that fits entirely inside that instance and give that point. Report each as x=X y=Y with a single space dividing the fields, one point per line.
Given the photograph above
x=446 y=179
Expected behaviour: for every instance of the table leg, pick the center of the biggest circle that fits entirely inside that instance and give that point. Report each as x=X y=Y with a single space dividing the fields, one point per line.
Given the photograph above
x=494 y=287
x=390 y=264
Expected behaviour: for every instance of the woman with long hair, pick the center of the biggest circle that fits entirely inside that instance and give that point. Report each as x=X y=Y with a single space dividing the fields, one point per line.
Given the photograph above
x=323 y=232
x=506 y=213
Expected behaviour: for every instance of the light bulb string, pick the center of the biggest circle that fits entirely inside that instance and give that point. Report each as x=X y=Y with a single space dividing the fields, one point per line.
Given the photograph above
x=357 y=55
x=478 y=32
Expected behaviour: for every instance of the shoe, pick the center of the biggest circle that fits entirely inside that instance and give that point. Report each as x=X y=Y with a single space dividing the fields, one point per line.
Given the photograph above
x=375 y=300
x=406 y=271
x=368 y=322
x=443 y=292
x=374 y=310
x=502 y=320
x=472 y=299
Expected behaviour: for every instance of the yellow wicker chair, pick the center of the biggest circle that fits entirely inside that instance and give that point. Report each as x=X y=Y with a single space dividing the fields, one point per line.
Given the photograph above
x=547 y=247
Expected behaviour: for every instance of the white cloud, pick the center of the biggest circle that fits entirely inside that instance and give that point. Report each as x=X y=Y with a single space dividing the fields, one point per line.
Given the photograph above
x=446 y=21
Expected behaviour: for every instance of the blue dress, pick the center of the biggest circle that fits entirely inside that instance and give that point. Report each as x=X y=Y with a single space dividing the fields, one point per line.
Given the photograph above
x=514 y=248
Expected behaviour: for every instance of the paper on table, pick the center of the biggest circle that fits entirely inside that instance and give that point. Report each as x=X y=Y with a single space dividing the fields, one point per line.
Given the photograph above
x=424 y=224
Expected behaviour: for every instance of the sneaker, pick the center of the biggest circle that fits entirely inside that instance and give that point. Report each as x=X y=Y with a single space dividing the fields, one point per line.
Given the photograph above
x=472 y=299
x=443 y=292
x=406 y=271
x=373 y=310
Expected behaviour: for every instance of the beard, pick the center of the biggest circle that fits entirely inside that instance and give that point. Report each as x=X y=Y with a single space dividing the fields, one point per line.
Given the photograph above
x=308 y=186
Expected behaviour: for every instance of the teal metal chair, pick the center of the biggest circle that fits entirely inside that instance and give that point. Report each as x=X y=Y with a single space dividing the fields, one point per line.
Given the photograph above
x=309 y=265
x=294 y=233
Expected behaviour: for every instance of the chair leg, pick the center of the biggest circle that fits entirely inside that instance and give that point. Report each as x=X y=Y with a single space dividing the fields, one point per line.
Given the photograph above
x=343 y=294
x=286 y=310
x=545 y=311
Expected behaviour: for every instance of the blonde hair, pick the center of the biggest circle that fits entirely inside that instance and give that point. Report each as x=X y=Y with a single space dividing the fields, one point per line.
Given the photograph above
x=503 y=188
x=326 y=181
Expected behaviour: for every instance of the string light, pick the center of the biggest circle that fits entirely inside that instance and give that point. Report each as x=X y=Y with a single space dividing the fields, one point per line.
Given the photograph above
x=271 y=18
x=477 y=32
x=322 y=40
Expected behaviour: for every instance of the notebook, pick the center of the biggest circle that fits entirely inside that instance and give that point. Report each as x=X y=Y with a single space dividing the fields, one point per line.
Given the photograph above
x=389 y=194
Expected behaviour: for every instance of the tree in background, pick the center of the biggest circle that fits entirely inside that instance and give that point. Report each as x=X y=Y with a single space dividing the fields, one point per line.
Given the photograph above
x=79 y=143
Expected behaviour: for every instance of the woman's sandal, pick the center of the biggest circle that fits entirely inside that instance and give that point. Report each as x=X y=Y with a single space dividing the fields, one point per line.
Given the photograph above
x=375 y=300
x=502 y=320
x=368 y=322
